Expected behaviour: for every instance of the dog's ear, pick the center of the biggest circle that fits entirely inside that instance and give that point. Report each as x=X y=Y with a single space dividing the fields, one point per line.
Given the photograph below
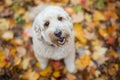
x=36 y=27
x=36 y=30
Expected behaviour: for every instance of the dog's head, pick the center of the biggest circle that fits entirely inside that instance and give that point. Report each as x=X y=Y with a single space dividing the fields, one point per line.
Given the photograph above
x=53 y=26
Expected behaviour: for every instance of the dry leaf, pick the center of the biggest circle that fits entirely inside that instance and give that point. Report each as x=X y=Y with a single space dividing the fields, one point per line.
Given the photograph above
x=4 y=24
x=103 y=33
x=71 y=76
x=2 y=57
x=113 y=53
x=46 y=72
x=83 y=62
x=17 y=41
x=78 y=17
x=30 y=75
x=56 y=74
x=69 y=10
x=8 y=35
x=79 y=34
x=21 y=51
x=25 y=63
x=98 y=52
x=17 y=60
x=98 y=16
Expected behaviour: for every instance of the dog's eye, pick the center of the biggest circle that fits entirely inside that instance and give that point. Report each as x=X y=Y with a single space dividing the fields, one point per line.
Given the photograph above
x=60 y=18
x=46 y=24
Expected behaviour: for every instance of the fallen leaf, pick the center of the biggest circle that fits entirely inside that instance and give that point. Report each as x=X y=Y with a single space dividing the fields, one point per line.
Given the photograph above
x=98 y=16
x=69 y=10
x=88 y=18
x=17 y=41
x=113 y=53
x=79 y=34
x=71 y=76
x=21 y=51
x=75 y=2
x=103 y=33
x=101 y=4
x=57 y=65
x=78 y=17
x=46 y=72
x=99 y=52
x=17 y=60
x=4 y=24
x=83 y=62
x=56 y=74
x=8 y=2
x=25 y=63
x=111 y=40
x=97 y=73
x=30 y=75
x=8 y=35
x=2 y=57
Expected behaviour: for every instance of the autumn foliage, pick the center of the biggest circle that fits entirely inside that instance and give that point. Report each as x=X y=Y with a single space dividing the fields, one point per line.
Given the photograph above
x=97 y=41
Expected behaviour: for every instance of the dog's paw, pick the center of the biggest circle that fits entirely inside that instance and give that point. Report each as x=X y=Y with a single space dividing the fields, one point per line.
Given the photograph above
x=43 y=66
x=70 y=68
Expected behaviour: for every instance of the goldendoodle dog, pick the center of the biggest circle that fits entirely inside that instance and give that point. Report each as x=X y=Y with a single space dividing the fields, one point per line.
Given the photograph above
x=53 y=37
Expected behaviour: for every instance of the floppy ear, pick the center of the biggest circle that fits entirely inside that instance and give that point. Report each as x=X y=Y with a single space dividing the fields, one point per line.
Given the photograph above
x=36 y=30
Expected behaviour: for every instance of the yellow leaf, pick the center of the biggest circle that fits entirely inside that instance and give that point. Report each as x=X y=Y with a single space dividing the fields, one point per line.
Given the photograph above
x=95 y=42
x=71 y=77
x=21 y=10
x=83 y=62
x=56 y=74
x=88 y=18
x=103 y=33
x=77 y=45
x=13 y=51
x=2 y=57
x=8 y=65
x=114 y=54
x=97 y=16
x=37 y=64
x=79 y=34
x=30 y=75
x=46 y=72
x=25 y=63
x=17 y=60
x=4 y=24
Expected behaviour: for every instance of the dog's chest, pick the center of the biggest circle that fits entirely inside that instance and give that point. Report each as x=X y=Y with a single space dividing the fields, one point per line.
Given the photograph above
x=54 y=53
x=51 y=52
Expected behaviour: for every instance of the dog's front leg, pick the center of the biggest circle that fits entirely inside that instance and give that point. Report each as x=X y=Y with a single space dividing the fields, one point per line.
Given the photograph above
x=69 y=63
x=43 y=62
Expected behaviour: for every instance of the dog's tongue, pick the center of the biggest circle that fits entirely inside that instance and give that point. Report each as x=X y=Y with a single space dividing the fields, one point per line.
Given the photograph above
x=61 y=41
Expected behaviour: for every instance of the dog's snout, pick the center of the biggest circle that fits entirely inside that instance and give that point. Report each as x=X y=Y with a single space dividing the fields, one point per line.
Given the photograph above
x=58 y=33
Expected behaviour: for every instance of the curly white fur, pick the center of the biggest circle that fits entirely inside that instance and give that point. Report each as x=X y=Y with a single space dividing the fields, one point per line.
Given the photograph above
x=46 y=49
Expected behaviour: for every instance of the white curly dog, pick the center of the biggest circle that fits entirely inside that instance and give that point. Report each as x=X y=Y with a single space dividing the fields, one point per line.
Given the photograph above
x=53 y=37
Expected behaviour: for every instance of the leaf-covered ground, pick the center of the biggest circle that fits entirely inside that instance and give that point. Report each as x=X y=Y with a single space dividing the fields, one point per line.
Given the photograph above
x=97 y=41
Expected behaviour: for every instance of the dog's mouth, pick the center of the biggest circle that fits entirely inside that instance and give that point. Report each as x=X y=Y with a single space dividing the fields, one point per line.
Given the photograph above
x=61 y=40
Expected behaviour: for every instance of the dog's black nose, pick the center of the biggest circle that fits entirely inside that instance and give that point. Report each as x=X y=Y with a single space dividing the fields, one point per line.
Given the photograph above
x=58 y=33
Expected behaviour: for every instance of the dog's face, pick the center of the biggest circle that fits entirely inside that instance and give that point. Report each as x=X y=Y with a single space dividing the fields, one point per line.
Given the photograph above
x=53 y=26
